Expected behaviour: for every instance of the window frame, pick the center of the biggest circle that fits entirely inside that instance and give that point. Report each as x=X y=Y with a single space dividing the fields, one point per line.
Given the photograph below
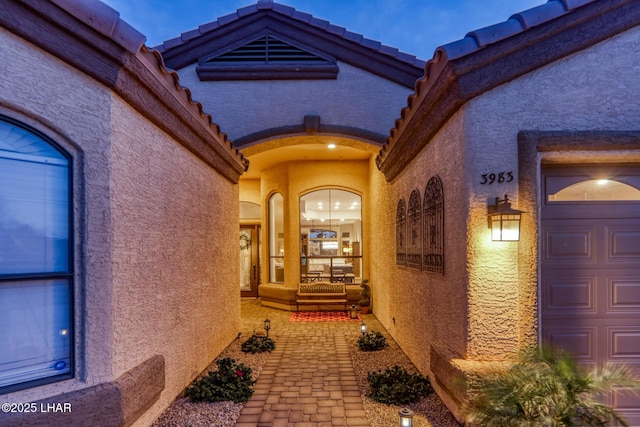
x=69 y=275
x=273 y=238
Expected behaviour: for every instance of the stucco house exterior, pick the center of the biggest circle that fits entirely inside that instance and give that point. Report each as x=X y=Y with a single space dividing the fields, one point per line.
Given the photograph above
x=128 y=263
x=535 y=108
x=282 y=82
x=158 y=156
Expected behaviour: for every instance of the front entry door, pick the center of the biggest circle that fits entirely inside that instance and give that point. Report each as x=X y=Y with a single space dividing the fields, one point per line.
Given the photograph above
x=590 y=268
x=249 y=260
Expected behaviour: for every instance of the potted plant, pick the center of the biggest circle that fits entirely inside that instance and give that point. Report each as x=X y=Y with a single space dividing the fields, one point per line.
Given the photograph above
x=365 y=296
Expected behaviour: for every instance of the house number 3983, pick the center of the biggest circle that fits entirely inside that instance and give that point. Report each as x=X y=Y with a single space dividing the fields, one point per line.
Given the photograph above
x=493 y=177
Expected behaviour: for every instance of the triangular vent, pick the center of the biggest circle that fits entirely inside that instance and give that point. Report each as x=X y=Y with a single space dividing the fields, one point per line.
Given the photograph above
x=265 y=50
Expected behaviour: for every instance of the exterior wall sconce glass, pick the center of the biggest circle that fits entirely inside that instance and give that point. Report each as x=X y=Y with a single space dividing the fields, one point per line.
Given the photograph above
x=406 y=417
x=504 y=221
x=267 y=326
x=363 y=328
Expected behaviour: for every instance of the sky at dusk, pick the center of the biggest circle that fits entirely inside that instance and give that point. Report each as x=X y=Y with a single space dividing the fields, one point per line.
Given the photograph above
x=416 y=27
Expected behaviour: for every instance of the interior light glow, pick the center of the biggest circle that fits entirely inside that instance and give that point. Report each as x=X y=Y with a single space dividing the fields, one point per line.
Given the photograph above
x=603 y=181
x=331 y=146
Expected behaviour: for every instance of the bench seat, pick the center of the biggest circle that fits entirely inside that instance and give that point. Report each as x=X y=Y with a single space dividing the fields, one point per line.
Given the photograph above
x=321 y=293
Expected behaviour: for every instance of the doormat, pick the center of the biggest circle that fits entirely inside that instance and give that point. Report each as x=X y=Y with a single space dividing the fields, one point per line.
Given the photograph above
x=321 y=316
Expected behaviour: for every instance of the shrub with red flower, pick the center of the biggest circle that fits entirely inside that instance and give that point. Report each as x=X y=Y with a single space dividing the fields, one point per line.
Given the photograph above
x=231 y=382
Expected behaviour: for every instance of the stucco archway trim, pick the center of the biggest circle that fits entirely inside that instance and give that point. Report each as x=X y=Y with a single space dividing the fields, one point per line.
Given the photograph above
x=305 y=129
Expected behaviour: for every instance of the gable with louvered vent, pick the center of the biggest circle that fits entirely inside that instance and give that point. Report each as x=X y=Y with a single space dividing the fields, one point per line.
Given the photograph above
x=267 y=49
x=267 y=58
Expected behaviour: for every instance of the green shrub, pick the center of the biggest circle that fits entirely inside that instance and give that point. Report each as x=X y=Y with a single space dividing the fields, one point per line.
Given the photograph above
x=546 y=387
x=231 y=382
x=257 y=344
x=395 y=386
x=372 y=341
x=365 y=294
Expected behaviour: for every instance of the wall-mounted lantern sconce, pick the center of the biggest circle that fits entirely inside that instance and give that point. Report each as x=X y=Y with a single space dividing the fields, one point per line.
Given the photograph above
x=504 y=221
x=363 y=328
x=406 y=418
x=267 y=326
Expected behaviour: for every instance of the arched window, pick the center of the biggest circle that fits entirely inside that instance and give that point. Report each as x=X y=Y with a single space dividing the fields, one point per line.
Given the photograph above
x=276 y=238
x=331 y=236
x=433 y=246
x=596 y=190
x=36 y=261
x=401 y=233
x=414 y=227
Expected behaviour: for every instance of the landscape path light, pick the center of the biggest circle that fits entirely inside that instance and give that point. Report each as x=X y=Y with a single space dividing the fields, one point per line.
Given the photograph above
x=267 y=326
x=405 y=417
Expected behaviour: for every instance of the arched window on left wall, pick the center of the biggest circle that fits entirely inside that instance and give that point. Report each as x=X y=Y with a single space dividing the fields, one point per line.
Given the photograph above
x=276 y=238
x=36 y=262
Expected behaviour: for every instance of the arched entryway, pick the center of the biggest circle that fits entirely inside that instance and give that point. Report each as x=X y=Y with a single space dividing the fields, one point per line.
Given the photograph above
x=309 y=243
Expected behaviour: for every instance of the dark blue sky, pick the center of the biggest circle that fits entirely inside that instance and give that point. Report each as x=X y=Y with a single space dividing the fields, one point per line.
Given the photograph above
x=416 y=27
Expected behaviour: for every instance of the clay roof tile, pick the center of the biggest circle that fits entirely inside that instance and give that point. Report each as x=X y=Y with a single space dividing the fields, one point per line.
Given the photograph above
x=248 y=10
x=300 y=16
x=105 y=20
x=537 y=15
x=496 y=32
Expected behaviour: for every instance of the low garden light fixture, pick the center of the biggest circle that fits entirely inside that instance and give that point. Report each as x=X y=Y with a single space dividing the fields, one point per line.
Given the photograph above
x=363 y=328
x=353 y=312
x=504 y=221
x=267 y=326
x=405 y=417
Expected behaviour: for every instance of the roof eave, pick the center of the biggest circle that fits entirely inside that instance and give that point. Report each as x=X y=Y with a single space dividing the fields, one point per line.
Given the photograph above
x=450 y=83
x=347 y=47
x=91 y=38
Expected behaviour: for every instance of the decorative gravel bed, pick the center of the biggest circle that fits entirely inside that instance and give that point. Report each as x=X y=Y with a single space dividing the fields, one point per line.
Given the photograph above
x=184 y=413
x=429 y=411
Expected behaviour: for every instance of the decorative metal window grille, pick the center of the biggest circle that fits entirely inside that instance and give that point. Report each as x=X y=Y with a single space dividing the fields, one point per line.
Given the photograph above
x=433 y=244
x=401 y=231
x=414 y=228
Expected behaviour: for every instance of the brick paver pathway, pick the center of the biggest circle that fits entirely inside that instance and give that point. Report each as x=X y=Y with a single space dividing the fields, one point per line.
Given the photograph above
x=308 y=380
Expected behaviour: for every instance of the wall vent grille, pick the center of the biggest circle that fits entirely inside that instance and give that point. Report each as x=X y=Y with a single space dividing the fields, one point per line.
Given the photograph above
x=267 y=49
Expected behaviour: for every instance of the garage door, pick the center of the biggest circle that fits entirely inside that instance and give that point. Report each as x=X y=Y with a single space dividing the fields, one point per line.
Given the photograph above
x=590 y=268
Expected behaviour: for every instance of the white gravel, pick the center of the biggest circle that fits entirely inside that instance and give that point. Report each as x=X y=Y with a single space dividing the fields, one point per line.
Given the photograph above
x=184 y=413
x=429 y=411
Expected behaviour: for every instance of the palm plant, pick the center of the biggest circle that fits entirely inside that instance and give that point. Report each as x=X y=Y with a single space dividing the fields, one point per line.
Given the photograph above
x=546 y=387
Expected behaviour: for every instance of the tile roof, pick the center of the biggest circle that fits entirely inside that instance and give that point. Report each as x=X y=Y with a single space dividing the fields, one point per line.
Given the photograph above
x=171 y=80
x=299 y=16
x=97 y=17
x=517 y=23
x=105 y=20
x=515 y=37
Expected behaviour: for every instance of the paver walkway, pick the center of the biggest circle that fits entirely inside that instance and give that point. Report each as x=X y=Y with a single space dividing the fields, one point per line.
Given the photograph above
x=308 y=379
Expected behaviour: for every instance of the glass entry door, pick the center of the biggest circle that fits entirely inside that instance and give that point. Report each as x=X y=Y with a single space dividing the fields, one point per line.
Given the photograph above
x=249 y=260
